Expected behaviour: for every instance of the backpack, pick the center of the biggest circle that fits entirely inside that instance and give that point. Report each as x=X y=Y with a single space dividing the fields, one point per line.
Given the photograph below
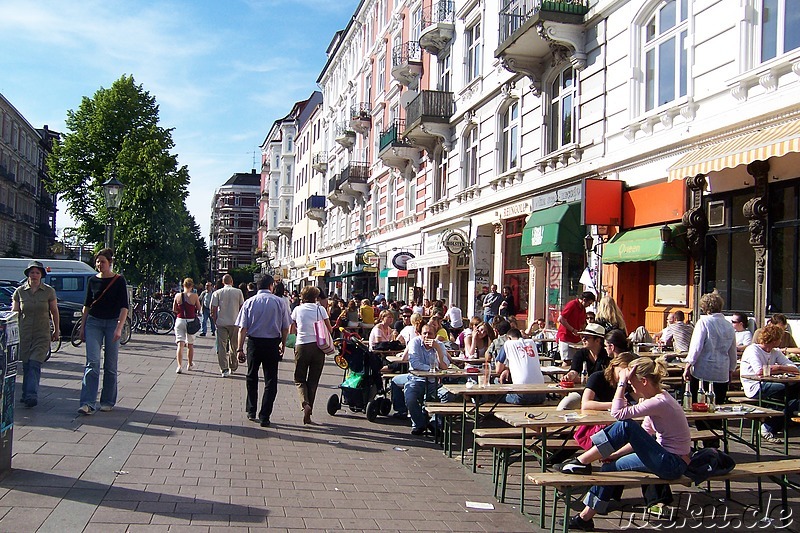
x=707 y=463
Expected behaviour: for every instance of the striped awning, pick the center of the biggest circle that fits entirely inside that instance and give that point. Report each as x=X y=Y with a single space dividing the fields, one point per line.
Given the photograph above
x=772 y=141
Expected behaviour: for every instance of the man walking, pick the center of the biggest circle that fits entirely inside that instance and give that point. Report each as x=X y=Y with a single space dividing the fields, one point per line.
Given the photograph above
x=225 y=305
x=265 y=319
x=205 y=300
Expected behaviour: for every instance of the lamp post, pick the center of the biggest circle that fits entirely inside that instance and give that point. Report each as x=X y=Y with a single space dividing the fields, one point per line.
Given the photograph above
x=112 y=190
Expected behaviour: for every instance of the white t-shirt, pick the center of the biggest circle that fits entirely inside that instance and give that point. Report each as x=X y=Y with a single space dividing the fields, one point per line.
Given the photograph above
x=753 y=360
x=523 y=362
x=408 y=333
x=304 y=315
x=454 y=314
x=744 y=338
x=418 y=309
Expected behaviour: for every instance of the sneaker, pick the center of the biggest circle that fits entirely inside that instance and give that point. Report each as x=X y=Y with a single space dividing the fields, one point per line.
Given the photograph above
x=179 y=370
x=226 y=373
x=252 y=417
x=31 y=402
x=574 y=467
x=190 y=367
x=86 y=409
x=212 y=334
x=400 y=415
x=769 y=436
x=202 y=335
x=576 y=522
x=265 y=423
x=106 y=408
x=418 y=431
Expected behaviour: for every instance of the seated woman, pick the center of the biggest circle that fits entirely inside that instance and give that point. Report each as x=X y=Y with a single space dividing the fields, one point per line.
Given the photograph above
x=660 y=445
x=476 y=344
x=383 y=331
x=598 y=394
x=758 y=356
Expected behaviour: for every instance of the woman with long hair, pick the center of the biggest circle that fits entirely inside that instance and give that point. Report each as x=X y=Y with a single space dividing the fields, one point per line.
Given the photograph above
x=309 y=359
x=660 y=445
x=617 y=343
x=104 y=313
x=186 y=306
x=478 y=342
x=382 y=332
x=609 y=315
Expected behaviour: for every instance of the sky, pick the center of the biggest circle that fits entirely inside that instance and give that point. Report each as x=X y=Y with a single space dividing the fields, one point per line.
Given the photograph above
x=222 y=71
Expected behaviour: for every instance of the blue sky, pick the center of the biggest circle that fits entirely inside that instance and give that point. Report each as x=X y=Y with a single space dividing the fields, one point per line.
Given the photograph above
x=222 y=71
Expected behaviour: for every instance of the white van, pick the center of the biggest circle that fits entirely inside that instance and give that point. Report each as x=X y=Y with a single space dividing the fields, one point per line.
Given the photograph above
x=68 y=277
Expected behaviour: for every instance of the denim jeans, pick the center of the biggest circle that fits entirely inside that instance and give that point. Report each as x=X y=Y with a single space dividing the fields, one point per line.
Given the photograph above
x=31 y=372
x=526 y=399
x=778 y=392
x=207 y=318
x=416 y=391
x=648 y=456
x=397 y=387
x=99 y=332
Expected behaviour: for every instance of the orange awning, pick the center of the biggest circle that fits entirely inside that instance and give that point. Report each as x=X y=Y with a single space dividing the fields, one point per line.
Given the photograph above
x=772 y=141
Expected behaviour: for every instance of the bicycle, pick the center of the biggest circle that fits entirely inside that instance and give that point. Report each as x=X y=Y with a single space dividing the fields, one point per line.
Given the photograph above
x=161 y=320
x=55 y=345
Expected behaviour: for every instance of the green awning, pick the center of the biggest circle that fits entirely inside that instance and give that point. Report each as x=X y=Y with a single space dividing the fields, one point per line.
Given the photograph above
x=555 y=229
x=384 y=273
x=644 y=244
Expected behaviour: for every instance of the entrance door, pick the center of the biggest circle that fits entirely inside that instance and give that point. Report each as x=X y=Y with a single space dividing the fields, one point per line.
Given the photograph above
x=463 y=291
x=433 y=285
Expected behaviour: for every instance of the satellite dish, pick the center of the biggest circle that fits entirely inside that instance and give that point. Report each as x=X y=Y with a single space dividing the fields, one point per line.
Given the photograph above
x=407 y=97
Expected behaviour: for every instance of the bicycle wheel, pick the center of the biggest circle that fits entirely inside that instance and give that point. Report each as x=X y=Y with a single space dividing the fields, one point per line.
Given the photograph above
x=163 y=322
x=127 y=329
x=75 y=338
x=136 y=321
x=56 y=344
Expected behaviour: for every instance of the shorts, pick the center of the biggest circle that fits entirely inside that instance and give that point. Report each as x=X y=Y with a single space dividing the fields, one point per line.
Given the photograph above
x=566 y=351
x=180 y=331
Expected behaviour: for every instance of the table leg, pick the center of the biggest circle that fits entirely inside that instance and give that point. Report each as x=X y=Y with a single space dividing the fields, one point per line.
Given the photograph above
x=474 y=427
x=463 y=427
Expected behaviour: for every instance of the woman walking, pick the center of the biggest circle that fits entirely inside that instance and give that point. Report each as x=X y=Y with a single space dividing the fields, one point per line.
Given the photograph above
x=186 y=306
x=104 y=313
x=309 y=359
x=35 y=302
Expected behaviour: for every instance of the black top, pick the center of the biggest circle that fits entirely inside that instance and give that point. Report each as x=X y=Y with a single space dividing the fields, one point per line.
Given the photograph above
x=398 y=326
x=603 y=390
x=509 y=309
x=111 y=303
x=591 y=367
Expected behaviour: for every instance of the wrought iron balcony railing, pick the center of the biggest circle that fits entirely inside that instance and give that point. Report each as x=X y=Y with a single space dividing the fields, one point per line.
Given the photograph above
x=432 y=104
x=442 y=11
x=407 y=52
x=393 y=135
x=515 y=12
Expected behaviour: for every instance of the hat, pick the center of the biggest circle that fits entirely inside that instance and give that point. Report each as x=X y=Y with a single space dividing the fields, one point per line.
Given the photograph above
x=35 y=264
x=594 y=329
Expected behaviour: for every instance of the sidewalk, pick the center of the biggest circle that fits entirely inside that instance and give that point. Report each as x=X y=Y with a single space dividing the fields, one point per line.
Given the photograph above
x=178 y=454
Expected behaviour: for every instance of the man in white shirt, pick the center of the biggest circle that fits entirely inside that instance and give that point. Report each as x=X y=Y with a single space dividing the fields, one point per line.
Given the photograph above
x=744 y=337
x=518 y=362
x=225 y=305
x=454 y=316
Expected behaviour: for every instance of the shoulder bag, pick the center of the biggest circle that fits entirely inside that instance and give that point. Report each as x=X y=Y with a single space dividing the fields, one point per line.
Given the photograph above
x=192 y=326
x=324 y=340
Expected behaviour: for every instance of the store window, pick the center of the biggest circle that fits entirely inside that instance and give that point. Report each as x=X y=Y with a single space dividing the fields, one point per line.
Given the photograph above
x=664 y=54
x=783 y=291
x=516 y=273
x=729 y=258
x=779 y=26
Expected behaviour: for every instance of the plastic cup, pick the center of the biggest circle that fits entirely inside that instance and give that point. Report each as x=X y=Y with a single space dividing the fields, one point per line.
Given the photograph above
x=767 y=371
x=482 y=380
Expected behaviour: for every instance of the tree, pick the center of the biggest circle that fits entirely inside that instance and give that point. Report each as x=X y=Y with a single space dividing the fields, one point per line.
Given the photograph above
x=116 y=133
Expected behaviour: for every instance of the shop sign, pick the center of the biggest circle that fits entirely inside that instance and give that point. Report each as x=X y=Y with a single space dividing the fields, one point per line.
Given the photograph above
x=516 y=210
x=368 y=258
x=322 y=264
x=455 y=241
x=537 y=235
x=400 y=261
x=566 y=195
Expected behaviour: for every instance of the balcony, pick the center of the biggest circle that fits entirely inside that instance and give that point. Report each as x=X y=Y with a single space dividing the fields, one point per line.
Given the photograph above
x=533 y=31
x=315 y=208
x=320 y=162
x=407 y=64
x=353 y=180
x=273 y=235
x=428 y=119
x=285 y=228
x=361 y=118
x=345 y=136
x=395 y=150
x=438 y=27
x=339 y=197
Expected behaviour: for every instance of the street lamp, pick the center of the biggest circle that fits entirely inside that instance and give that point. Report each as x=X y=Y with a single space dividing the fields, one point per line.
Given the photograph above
x=112 y=190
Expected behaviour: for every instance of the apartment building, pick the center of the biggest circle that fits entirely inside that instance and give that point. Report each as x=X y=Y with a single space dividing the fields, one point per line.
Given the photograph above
x=644 y=149
x=234 y=218
x=27 y=210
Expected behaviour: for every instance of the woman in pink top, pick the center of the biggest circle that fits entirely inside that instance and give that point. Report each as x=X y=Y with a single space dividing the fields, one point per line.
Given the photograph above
x=660 y=445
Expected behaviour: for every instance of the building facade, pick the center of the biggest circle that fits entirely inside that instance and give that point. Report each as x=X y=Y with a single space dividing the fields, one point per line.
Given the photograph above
x=27 y=210
x=234 y=219
x=646 y=150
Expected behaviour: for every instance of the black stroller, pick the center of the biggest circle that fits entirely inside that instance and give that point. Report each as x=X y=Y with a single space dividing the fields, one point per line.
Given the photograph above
x=362 y=388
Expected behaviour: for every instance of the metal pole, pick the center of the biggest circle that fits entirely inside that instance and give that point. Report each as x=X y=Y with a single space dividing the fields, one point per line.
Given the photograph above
x=110 y=230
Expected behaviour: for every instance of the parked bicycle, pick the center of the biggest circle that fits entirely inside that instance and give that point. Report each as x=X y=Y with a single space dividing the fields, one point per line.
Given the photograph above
x=160 y=320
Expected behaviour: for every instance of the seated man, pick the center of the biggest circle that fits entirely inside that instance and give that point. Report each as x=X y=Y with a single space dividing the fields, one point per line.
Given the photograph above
x=743 y=336
x=677 y=334
x=787 y=342
x=501 y=330
x=424 y=353
x=519 y=361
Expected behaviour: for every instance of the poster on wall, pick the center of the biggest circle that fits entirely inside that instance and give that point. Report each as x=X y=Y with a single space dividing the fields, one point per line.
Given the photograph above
x=7 y=414
x=12 y=356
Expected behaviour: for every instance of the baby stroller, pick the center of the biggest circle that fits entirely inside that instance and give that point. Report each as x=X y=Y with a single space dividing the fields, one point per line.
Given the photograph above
x=362 y=388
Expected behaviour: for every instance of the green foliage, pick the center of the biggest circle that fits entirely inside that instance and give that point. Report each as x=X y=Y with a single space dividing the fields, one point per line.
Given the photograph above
x=116 y=133
x=12 y=250
x=244 y=273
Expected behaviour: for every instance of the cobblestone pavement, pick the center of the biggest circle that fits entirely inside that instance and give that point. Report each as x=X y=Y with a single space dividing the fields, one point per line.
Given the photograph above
x=178 y=454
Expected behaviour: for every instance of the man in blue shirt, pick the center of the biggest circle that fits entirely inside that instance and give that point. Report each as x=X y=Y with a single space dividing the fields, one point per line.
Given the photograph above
x=425 y=353
x=265 y=319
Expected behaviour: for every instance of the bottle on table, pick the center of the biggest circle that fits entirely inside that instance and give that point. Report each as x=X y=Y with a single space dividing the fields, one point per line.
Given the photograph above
x=701 y=393
x=584 y=374
x=711 y=398
x=687 y=398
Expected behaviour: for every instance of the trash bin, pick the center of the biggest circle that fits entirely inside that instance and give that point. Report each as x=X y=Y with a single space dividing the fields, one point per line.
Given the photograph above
x=9 y=357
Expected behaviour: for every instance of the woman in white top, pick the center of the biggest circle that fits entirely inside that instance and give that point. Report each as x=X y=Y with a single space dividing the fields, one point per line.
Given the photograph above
x=309 y=359
x=409 y=332
x=759 y=357
x=382 y=332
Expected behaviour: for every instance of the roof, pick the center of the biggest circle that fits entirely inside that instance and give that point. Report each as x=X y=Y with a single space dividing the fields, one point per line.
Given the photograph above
x=245 y=178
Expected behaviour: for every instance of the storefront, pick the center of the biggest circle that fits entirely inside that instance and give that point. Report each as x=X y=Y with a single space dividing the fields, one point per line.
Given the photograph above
x=396 y=278
x=516 y=272
x=552 y=239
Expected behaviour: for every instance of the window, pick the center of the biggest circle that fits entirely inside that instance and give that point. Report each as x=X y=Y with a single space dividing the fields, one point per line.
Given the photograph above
x=783 y=292
x=779 y=25
x=440 y=177
x=472 y=59
x=470 y=163
x=381 y=75
x=368 y=88
x=410 y=199
x=376 y=191
x=390 y=200
x=515 y=268
x=664 y=52
x=509 y=143
x=561 y=121
x=445 y=73
x=289 y=143
x=416 y=24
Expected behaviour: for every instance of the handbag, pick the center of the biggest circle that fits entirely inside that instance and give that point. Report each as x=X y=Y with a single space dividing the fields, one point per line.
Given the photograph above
x=324 y=340
x=193 y=326
x=291 y=340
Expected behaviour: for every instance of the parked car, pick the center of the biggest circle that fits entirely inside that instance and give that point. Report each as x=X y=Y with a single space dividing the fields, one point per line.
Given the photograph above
x=69 y=313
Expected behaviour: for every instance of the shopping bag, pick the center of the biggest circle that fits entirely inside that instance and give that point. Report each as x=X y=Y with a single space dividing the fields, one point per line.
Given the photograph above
x=324 y=339
x=291 y=340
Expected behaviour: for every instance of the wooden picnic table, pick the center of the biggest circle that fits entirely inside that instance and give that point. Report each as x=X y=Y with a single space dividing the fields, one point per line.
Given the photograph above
x=540 y=421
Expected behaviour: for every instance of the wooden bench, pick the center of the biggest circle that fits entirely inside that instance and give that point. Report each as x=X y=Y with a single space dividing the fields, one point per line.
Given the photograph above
x=565 y=483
